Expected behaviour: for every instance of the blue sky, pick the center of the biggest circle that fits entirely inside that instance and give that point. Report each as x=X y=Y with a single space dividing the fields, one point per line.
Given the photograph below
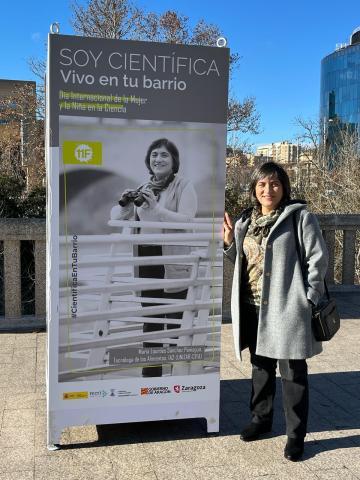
x=281 y=44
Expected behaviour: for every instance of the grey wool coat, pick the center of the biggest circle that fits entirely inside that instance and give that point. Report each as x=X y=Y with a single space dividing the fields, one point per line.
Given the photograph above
x=289 y=285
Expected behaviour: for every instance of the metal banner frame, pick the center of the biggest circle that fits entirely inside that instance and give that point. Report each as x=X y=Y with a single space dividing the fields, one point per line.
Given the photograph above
x=134 y=292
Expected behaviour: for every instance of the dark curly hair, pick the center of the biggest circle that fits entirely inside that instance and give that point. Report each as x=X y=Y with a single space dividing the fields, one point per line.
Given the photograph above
x=170 y=147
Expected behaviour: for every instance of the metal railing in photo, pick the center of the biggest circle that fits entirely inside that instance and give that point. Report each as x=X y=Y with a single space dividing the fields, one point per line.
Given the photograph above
x=111 y=308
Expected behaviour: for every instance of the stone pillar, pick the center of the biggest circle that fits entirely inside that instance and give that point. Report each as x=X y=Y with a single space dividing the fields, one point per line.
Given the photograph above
x=12 y=278
x=40 y=278
x=329 y=237
x=348 y=257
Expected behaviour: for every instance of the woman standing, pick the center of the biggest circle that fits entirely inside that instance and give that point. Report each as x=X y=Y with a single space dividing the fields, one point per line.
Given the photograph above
x=273 y=294
x=166 y=197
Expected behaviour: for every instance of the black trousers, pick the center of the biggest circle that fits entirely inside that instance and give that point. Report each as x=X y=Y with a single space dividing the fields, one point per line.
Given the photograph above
x=294 y=380
x=156 y=271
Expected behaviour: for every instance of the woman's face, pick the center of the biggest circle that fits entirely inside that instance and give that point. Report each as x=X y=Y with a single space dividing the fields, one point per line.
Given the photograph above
x=161 y=162
x=269 y=192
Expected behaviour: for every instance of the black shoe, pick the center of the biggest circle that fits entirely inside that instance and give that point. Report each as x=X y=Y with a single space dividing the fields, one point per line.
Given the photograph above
x=254 y=430
x=294 y=449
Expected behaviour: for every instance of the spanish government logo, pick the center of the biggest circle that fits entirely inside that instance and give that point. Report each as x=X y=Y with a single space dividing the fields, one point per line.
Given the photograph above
x=75 y=395
x=82 y=153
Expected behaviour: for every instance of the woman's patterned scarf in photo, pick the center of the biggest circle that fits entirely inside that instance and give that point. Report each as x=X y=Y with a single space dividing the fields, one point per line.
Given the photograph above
x=158 y=185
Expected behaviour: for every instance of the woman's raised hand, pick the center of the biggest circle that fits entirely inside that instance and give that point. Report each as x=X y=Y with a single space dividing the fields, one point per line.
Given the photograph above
x=150 y=199
x=228 y=229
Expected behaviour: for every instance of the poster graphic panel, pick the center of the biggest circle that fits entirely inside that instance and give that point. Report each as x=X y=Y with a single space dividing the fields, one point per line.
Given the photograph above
x=136 y=148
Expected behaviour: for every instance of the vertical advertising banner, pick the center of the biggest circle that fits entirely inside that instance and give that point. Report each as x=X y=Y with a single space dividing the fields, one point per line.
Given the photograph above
x=136 y=144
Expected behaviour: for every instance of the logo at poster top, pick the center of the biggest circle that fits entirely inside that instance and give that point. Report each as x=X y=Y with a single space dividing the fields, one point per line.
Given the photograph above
x=82 y=153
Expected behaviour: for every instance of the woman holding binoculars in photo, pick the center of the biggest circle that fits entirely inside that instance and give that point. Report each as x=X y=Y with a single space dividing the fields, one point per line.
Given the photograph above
x=273 y=293
x=166 y=197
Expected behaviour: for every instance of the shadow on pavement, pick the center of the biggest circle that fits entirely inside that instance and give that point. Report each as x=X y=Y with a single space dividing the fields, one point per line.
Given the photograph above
x=348 y=304
x=334 y=406
x=313 y=447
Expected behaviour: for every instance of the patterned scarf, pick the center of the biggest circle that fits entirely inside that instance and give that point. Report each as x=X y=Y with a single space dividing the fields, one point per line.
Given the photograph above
x=260 y=224
x=157 y=185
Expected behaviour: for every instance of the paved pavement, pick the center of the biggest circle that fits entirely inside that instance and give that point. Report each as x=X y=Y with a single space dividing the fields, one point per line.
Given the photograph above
x=182 y=449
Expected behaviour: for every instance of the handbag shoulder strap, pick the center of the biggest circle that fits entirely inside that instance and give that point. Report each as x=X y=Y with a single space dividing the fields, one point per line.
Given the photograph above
x=297 y=244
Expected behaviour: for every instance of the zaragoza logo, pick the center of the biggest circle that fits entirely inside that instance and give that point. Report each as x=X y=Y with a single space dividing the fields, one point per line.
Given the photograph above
x=83 y=153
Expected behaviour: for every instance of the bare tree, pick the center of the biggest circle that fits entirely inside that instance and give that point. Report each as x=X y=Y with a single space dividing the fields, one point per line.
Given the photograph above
x=38 y=67
x=238 y=173
x=334 y=183
x=22 y=164
x=10 y=159
x=243 y=116
x=121 y=19
x=106 y=19
x=22 y=135
x=168 y=27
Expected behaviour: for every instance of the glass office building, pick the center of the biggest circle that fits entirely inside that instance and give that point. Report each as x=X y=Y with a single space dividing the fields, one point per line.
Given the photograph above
x=340 y=89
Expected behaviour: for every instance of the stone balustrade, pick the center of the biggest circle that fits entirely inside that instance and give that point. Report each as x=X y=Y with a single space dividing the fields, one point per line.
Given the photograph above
x=13 y=231
x=349 y=225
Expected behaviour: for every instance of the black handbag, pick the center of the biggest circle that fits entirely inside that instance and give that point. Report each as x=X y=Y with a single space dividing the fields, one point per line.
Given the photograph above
x=325 y=316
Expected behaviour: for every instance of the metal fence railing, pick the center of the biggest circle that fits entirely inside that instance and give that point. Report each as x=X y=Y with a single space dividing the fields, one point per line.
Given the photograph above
x=113 y=302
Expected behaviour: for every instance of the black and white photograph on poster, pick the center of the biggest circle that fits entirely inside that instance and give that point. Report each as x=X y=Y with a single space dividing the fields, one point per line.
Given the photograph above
x=140 y=211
